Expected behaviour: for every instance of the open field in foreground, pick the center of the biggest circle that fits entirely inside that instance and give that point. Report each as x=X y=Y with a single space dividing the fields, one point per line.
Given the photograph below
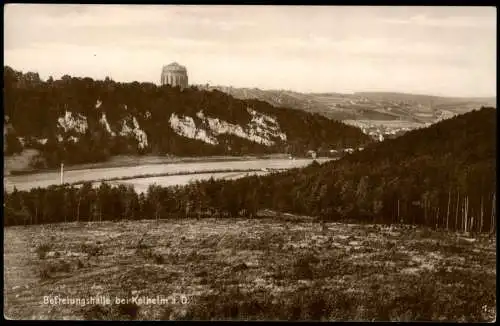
x=248 y=269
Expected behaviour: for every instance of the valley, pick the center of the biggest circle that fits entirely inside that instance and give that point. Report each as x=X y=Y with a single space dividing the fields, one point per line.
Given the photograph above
x=164 y=174
x=383 y=114
x=250 y=163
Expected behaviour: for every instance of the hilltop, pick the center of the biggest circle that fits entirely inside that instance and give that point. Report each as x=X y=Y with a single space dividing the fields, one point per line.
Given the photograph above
x=81 y=120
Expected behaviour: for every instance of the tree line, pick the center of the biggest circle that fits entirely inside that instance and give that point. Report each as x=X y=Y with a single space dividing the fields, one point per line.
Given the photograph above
x=67 y=203
x=33 y=107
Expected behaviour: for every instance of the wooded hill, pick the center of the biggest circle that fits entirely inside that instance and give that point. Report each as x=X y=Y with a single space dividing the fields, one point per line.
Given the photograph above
x=79 y=120
x=443 y=176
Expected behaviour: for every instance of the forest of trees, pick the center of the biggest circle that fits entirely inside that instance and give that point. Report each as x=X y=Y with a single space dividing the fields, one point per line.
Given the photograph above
x=443 y=176
x=33 y=107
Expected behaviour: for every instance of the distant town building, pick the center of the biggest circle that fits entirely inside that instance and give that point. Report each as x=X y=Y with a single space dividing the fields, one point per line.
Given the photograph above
x=312 y=154
x=174 y=75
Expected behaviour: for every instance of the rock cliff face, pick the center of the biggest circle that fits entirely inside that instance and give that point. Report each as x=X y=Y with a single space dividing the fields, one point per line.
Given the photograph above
x=261 y=129
x=104 y=122
x=82 y=120
x=136 y=132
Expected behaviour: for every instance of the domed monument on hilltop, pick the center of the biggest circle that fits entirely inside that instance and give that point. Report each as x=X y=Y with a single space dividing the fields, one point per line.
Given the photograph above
x=174 y=75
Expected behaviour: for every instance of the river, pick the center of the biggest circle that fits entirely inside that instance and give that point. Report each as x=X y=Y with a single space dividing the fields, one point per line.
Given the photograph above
x=45 y=179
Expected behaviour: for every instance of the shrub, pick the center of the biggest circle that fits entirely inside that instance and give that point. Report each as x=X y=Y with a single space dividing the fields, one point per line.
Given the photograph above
x=92 y=250
x=113 y=312
x=158 y=258
x=42 y=250
x=47 y=269
x=128 y=310
x=96 y=312
x=150 y=254
x=302 y=266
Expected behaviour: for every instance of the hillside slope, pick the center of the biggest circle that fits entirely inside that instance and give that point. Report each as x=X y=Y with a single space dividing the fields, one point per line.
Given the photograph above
x=443 y=176
x=378 y=107
x=80 y=120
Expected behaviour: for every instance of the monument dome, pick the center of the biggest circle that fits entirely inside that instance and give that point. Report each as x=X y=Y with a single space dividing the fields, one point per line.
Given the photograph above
x=174 y=75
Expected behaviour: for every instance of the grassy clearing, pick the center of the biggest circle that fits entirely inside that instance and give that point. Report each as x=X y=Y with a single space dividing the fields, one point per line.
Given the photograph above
x=249 y=270
x=19 y=161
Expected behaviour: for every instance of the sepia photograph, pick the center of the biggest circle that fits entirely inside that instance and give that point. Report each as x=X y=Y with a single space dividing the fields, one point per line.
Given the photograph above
x=249 y=163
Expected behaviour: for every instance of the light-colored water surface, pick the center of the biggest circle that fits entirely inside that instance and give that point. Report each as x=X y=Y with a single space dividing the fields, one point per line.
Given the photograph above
x=28 y=181
x=142 y=184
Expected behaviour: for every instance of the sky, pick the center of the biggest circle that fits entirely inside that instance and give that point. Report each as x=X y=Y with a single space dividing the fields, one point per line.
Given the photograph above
x=448 y=51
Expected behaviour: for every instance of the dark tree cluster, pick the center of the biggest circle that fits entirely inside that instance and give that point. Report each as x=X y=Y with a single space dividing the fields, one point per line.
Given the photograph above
x=33 y=107
x=443 y=176
x=57 y=204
